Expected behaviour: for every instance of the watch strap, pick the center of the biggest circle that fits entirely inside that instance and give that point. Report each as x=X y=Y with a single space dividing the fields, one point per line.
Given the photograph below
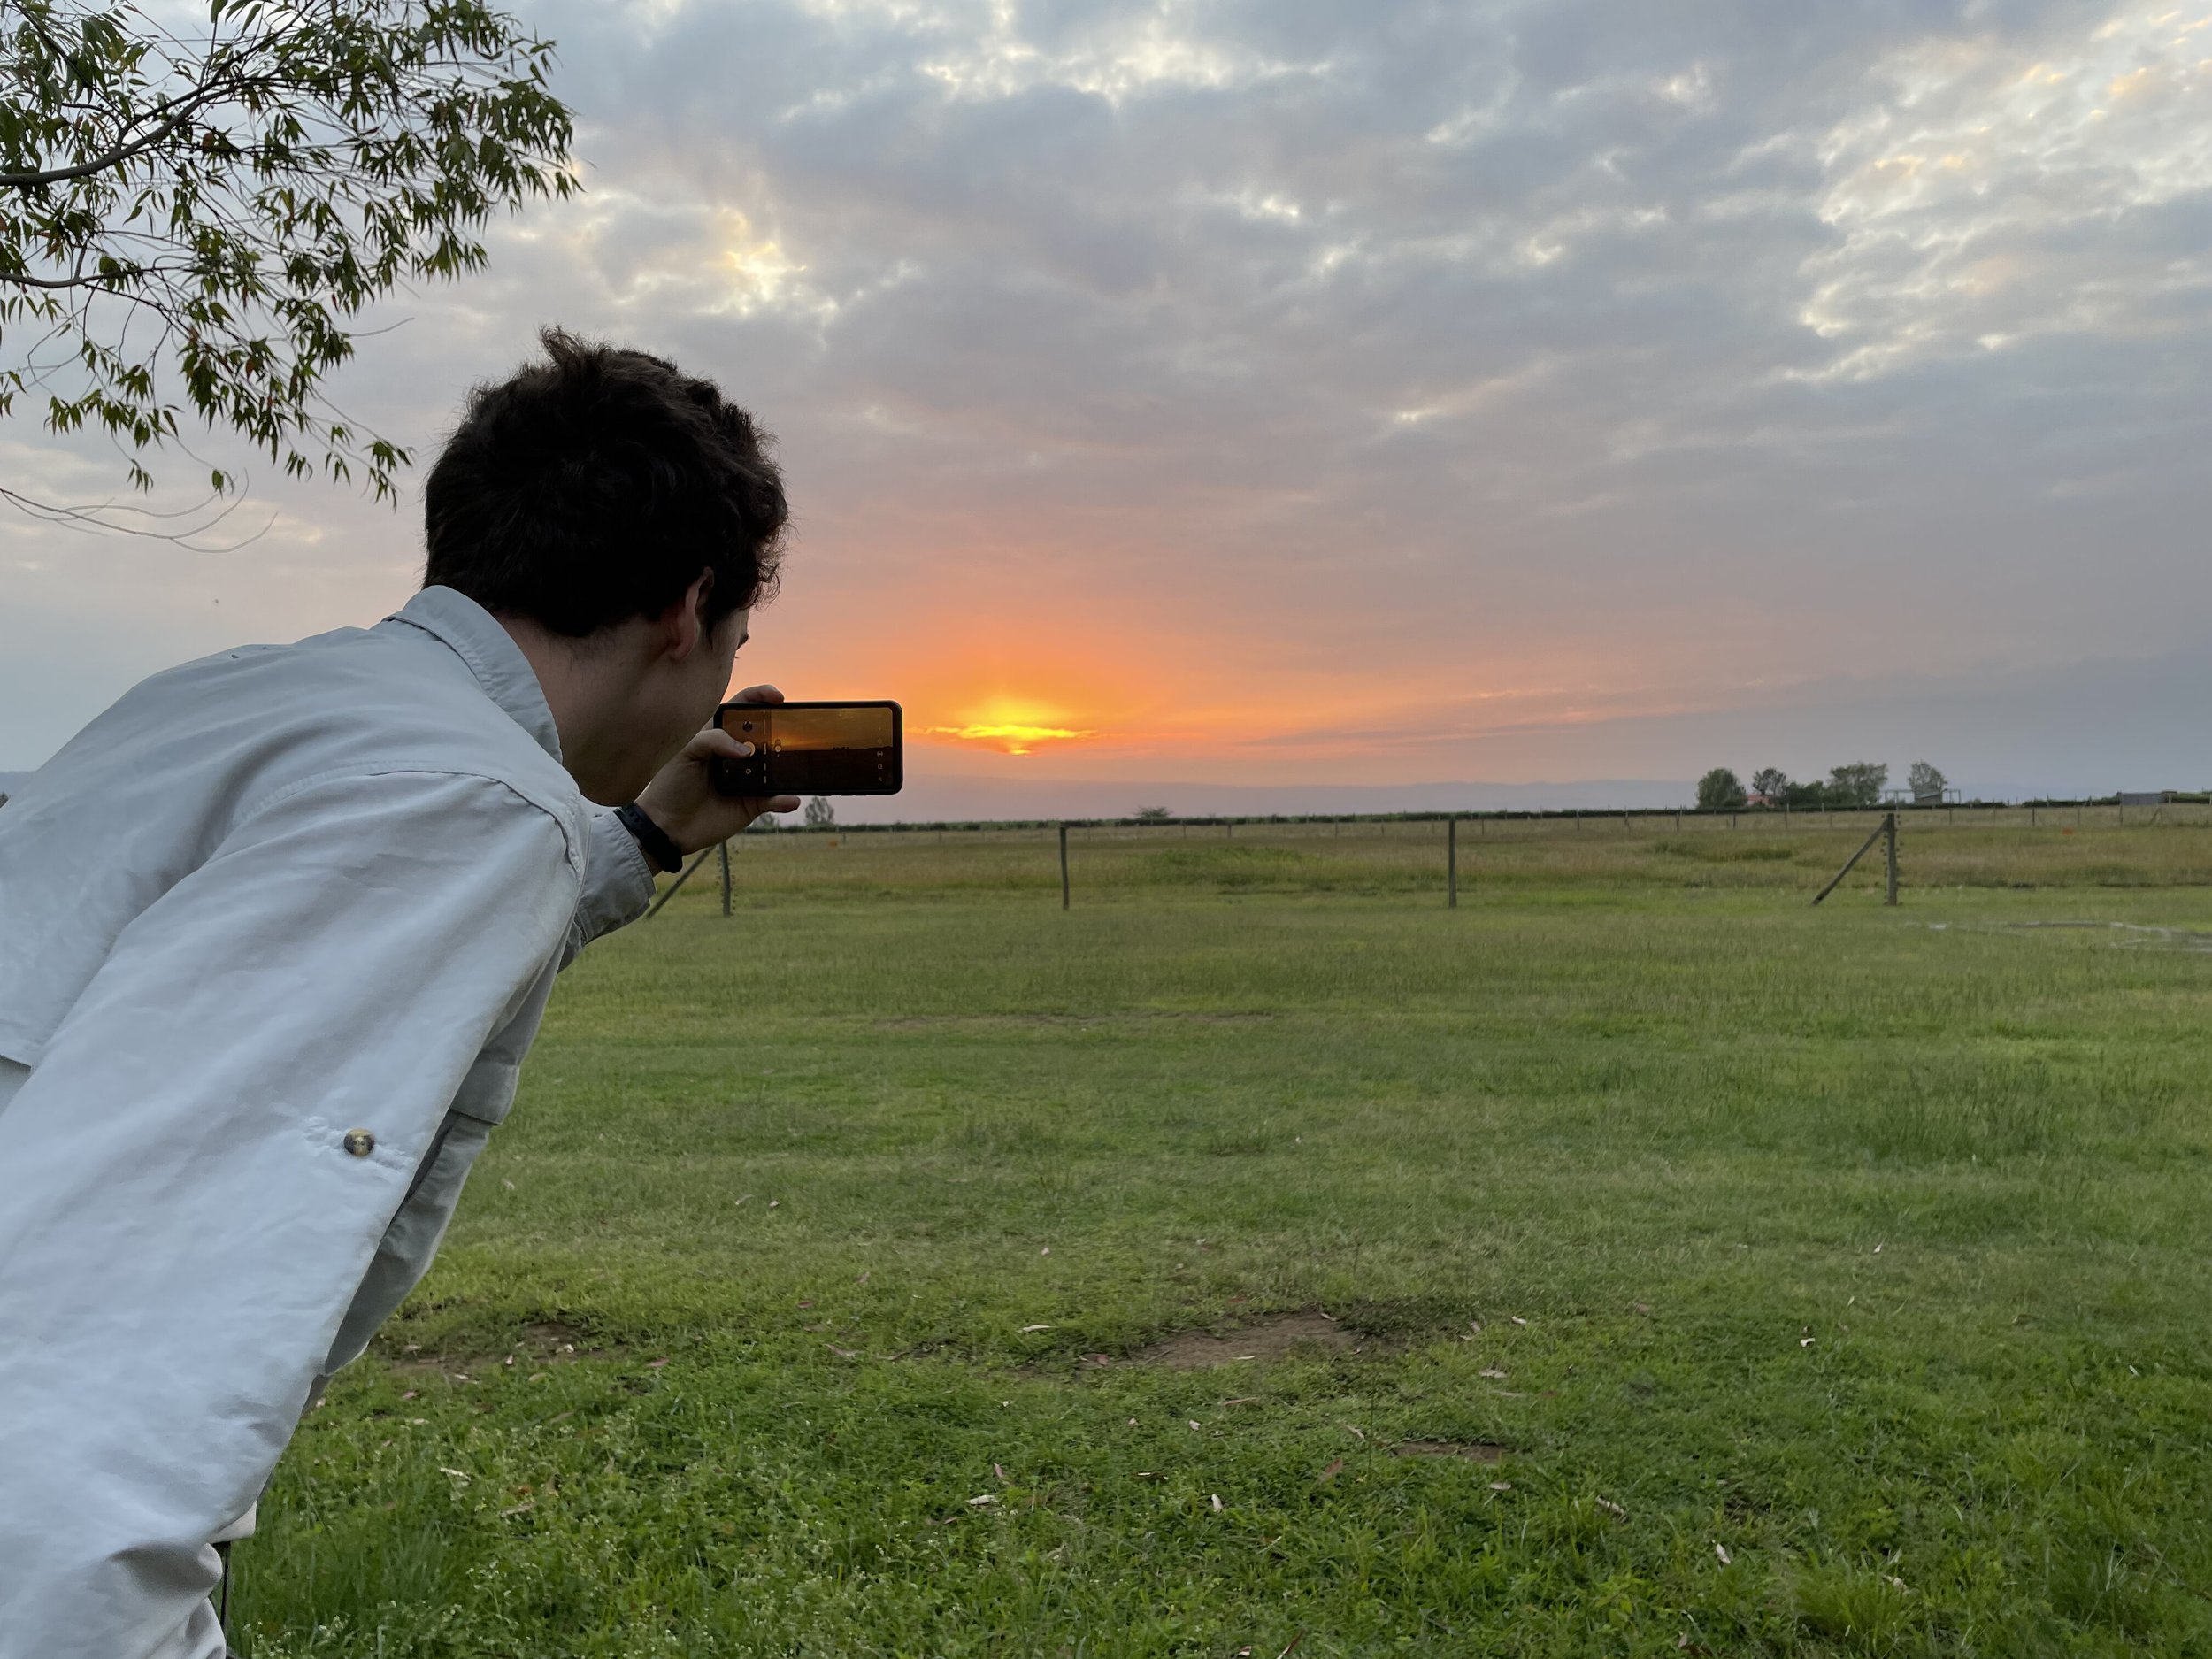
x=660 y=852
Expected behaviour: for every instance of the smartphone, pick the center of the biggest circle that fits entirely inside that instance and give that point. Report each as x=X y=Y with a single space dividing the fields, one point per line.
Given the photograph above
x=812 y=749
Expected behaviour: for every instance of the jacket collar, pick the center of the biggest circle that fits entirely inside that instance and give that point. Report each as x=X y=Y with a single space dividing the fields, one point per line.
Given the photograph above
x=475 y=636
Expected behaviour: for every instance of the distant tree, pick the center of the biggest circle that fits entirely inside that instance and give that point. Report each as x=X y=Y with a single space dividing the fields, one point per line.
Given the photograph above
x=1773 y=782
x=1806 y=796
x=1859 y=784
x=1719 y=790
x=1925 y=782
x=196 y=202
x=820 y=814
x=1153 y=815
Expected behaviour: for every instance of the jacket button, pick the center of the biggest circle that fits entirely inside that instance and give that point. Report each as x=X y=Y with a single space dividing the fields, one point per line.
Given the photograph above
x=360 y=1142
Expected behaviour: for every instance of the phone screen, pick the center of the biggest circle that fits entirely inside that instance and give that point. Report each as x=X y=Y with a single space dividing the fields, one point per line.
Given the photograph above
x=812 y=749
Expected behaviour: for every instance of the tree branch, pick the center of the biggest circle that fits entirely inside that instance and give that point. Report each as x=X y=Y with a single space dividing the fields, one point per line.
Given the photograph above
x=99 y=164
x=25 y=280
x=218 y=85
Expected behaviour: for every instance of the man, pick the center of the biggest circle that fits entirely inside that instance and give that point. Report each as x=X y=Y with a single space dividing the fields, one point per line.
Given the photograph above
x=275 y=933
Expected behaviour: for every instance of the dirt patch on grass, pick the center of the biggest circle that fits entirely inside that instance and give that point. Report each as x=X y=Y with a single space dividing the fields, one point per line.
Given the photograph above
x=1473 y=1451
x=1081 y=1022
x=1311 y=1332
x=540 y=1343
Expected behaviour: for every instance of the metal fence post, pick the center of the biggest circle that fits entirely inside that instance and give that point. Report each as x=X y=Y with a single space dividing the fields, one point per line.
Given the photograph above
x=669 y=892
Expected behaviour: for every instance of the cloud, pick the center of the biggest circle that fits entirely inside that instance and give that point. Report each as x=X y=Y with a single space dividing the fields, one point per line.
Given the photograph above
x=1178 y=363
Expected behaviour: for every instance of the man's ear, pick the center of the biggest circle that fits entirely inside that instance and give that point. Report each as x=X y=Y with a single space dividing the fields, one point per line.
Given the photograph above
x=683 y=626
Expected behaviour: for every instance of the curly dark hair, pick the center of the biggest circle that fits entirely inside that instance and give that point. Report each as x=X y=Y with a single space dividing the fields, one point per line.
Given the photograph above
x=595 y=486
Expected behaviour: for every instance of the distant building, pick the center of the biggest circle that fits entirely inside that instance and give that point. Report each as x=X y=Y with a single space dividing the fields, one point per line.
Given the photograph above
x=2146 y=797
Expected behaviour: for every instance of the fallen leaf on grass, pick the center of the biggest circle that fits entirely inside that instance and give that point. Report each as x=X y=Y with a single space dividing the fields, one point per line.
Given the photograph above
x=1027 y=1329
x=1334 y=1469
x=738 y=1204
x=1492 y=1372
x=980 y=1499
x=1612 y=1509
x=1195 y=1422
x=655 y=1364
x=1726 y=1559
x=1502 y=1485
x=459 y=1474
x=1001 y=1473
x=1147 y=1474
x=1216 y=1498
x=841 y=1353
x=1518 y=1320
x=410 y=1395
x=1243 y=1400
x=1807 y=1341
x=775 y=1203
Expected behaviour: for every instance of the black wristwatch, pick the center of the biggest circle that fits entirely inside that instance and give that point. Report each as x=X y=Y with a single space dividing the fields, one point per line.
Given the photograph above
x=652 y=839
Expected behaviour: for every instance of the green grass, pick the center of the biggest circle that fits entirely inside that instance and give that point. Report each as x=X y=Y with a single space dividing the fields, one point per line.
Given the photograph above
x=1865 y=1245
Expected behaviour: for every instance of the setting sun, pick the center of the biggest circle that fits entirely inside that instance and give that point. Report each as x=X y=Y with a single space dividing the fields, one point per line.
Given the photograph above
x=1010 y=727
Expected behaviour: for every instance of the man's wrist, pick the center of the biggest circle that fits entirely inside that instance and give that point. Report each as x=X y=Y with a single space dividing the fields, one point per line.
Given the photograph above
x=660 y=848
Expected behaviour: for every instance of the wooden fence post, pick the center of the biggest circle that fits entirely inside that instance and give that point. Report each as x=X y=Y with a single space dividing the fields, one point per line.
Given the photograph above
x=726 y=878
x=1451 y=863
x=1889 y=827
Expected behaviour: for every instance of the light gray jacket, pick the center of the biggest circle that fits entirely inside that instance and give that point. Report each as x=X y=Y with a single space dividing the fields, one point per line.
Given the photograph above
x=268 y=900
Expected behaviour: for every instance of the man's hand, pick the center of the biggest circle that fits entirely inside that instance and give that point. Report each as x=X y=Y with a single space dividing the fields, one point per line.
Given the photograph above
x=681 y=798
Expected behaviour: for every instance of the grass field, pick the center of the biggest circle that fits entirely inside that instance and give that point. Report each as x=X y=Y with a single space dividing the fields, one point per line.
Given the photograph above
x=1261 y=1258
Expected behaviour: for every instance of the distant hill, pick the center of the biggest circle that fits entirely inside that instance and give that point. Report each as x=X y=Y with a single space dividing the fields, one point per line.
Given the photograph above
x=10 y=780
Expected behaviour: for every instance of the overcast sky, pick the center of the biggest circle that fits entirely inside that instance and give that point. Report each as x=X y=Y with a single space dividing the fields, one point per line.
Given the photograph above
x=1364 y=392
